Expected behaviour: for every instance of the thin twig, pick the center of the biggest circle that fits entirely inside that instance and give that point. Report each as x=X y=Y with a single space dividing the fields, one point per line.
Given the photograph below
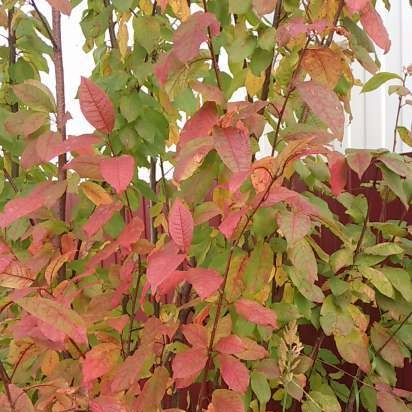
x=4 y=377
x=335 y=22
x=45 y=25
x=112 y=34
x=133 y=308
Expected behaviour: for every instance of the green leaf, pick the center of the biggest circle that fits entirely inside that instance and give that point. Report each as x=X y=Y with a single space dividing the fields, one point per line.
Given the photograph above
x=379 y=280
x=384 y=249
x=260 y=387
x=368 y=398
x=405 y=135
x=378 y=79
x=400 y=280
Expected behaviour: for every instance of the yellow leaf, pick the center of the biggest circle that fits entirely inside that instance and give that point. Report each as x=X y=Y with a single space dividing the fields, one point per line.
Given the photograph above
x=288 y=293
x=173 y=135
x=254 y=83
x=96 y=194
x=54 y=266
x=146 y=6
x=49 y=362
x=180 y=8
x=123 y=38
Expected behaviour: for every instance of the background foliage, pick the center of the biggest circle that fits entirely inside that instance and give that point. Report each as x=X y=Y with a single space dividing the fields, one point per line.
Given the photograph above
x=248 y=281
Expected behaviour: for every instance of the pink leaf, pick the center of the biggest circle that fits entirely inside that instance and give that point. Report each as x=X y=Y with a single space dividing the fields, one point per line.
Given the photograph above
x=170 y=282
x=100 y=217
x=297 y=26
x=181 y=224
x=230 y=345
x=373 y=25
x=233 y=146
x=195 y=334
x=209 y=92
x=224 y=400
x=338 y=172
x=131 y=233
x=253 y=350
x=200 y=124
x=234 y=373
x=86 y=166
x=63 y=6
x=256 y=313
x=294 y=225
x=359 y=160
x=189 y=363
x=191 y=156
x=356 y=5
x=99 y=361
x=231 y=222
x=205 y=281
x=325 y=105
x=161 y=263
x=96 y=106
x=45 y=194
x=21 y=402
x=106 y=404
x=118 y=171
x=192 y=33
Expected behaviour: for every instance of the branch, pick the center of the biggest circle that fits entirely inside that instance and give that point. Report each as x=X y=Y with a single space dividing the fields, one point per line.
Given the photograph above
x=335 y=22
x=212 y=52
x=4 y=377
x=112 y=34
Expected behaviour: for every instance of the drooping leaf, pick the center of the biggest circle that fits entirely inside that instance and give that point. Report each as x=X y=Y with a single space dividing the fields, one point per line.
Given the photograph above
x=323 y=65
x=359 y=160
x=96 y=194
x=54 y=266
x=295 y=226
x=230 y=345
x=63 y=6
x=373 y=25
x=96 y=106
x=204 y=281
x=181 y=224
x=118 y=171
x=153 y=391
x=387 y=345
x=324 y=104
x=234 y=373
x=224 y=400
x=25 y=122
x=99 y=361
x=35 y=95
x=100 y=217
x=233 y=146
x=56 y=315
x=356 y=5
x=338 y=172
x=353 y=347
x=196 y=335
x=161 y=263
x=256 y=313
x=188 y=363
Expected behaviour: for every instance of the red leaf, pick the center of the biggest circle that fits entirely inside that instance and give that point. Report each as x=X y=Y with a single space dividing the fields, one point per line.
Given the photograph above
x=233 y=146
x=325 y=105
x=192 y=33
x=161 y=263
x=234 y=373
x=191 y=156
x=200 y=124
x=230 y=345
x=256 y=313
x=99 y=361
x=131 y=233
x=356 y=5
x=100 y=217
x=189 y=363
x=359 y=160
x=224 y=400
x=45 y=194
x=231 y=221
x=106 y=404
x=253 y=350
x=204 y=281
x=196 y=335
x=63 y=6
x=209 y=92
x=170 y=283
x=297 y=26
x=128 y=372
x=96 y=106
x=181 y=224
x=373 y=25
x=338 y=172
x=118 y=171
x=50 y=145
